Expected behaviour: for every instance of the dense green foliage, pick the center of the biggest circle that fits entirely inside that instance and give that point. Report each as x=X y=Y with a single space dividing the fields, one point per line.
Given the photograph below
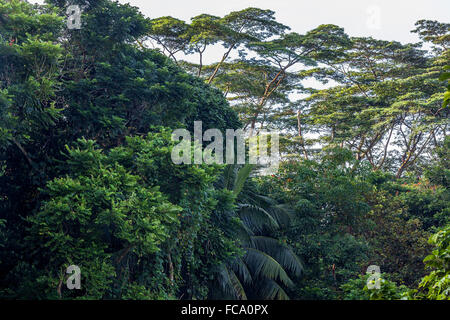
x=436 y=284
x=87 y=179
x=357 y=289
x=119 y=207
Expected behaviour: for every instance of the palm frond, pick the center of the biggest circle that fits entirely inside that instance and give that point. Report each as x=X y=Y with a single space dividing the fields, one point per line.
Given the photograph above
x=265 y=266
x=229 y=283
x=228 y=176
x=256 y=218
x=271 y=290
x=241 y=269
x=243 y=232
x=242 y=176
x=262 y=199
x=282 y=213
x=280 y=252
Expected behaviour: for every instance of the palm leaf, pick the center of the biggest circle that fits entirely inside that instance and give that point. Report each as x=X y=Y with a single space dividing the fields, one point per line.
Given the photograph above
x=242 y=176
x=244 y=232
x=256 y=218
x=228 y=176
x=271 y=290
x=282 y=213
x=241 y=269
x=265 y=266
x=262 y=198
x=230 y=284
x=281 y=253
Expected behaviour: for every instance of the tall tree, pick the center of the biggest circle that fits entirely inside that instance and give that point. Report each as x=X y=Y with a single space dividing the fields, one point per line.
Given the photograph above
x=388 y=94
x=170 y=34
x=279 y=62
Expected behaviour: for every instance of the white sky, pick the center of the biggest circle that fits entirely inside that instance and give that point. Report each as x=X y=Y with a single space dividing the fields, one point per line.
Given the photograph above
x=358 y=17
x=381 y=19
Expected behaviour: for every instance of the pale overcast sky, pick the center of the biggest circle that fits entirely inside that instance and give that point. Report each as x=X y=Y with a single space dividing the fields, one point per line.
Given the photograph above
x=381 y=19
